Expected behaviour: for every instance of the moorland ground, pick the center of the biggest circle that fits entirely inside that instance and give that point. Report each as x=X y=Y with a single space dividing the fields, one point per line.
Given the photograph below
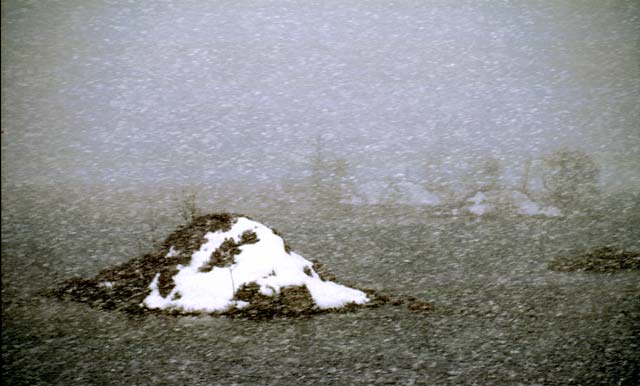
x=501 y=315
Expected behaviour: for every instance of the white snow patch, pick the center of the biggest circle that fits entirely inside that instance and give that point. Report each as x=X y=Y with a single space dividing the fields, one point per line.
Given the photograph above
x=514 y=200
x=327 y=294
x=551 y=211
x=414 y=194
x=266 y=263
x=172 y=252
x=526 y=206
x=480 y=205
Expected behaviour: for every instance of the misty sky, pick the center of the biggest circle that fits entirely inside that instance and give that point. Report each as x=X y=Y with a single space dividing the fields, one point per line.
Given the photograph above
x=135 y=91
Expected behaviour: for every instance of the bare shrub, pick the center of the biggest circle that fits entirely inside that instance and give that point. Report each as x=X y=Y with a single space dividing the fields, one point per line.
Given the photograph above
x=570 y=178
x=187 y=205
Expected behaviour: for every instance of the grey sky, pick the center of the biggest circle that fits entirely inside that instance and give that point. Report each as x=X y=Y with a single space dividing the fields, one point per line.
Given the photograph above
x=168 y=90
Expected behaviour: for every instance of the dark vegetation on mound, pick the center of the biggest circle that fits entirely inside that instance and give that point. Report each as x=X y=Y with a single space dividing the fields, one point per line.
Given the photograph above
x=294 y=301
x=129 y=282
x=225 y=254
x=603 y=259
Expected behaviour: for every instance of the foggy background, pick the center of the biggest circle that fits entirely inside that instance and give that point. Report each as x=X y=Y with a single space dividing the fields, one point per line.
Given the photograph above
x=247 y=98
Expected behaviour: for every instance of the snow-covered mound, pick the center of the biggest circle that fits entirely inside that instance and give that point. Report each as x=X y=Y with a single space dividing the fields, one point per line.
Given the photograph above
x=220 y=263
x=248 y=253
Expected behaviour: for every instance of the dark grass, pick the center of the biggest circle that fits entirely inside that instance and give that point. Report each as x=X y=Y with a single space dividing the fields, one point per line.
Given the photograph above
x=601 y=259
x=500 y=315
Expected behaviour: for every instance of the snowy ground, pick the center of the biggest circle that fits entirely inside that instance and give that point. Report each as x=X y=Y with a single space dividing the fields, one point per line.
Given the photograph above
x=501 y=316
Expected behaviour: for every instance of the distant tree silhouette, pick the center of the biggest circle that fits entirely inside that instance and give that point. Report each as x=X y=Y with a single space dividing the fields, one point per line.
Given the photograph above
x=570 y=178
x=435 y=178
x=481 y=174
x=525 y=178
x=331 y=183
x=392 y=194
x=489 y=174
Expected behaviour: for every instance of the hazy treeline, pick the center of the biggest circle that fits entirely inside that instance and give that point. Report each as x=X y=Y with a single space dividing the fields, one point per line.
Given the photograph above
x=566 y=178
x=333 y=186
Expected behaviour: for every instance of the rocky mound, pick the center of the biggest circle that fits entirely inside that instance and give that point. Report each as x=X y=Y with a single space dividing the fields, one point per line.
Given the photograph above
x=603 y=259
x=221 y=264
